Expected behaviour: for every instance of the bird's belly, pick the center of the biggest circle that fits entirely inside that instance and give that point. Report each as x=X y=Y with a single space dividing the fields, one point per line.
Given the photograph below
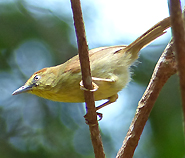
x=104 y=91
x=75 y=94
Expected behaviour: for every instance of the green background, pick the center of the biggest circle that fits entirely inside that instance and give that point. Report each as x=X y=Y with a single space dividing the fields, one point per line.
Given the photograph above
x=32 y=38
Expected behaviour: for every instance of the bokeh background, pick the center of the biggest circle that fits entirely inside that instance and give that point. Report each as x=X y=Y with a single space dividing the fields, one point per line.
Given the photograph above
x=36 y=34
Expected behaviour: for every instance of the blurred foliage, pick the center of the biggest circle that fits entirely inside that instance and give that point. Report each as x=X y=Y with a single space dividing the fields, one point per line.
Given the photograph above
x=32 y=38
x=32 y=126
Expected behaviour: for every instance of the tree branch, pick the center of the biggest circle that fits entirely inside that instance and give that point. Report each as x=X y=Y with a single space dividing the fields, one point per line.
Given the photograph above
x=179 y=45
x=165 y=68
x=91 y=115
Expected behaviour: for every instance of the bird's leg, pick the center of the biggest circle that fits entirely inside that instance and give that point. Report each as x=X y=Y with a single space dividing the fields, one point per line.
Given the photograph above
x=112 y=79
x=95 y=88
x=96 y=79
x=110 y=100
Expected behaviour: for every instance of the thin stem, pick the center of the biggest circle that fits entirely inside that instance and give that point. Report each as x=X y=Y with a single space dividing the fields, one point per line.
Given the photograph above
x=165 y=68
x=179 y=41
x=91 y=115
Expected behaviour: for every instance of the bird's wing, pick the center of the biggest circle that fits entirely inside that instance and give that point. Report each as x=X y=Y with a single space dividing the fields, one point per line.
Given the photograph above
x=73 y=64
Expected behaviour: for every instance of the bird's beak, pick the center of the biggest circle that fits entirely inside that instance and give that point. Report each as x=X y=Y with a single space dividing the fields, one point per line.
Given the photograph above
x=22 y=89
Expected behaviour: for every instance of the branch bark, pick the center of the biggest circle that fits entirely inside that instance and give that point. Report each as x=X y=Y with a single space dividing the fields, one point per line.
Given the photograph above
x=179 y=41
x=165 y=68
x=91 y=115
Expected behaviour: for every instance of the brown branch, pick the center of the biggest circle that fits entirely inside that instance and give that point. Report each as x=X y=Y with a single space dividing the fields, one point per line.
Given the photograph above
x=179 y=45
x=165 y=68
x=91 y=115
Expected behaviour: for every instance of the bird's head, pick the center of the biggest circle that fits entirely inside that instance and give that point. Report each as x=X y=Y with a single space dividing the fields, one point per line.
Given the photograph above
x=39 y=81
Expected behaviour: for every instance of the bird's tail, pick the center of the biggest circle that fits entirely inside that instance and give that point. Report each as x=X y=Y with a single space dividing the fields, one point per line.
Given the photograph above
x=150 y=35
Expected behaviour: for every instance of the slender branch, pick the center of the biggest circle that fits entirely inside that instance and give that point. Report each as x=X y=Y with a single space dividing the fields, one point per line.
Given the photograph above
x=165 y=68
x=91 y=115
x=179 y=41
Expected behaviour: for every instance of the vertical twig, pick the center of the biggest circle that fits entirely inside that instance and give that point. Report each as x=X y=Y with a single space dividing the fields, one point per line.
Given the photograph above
x=165 y=68
x=91 y=115
x=179 y=41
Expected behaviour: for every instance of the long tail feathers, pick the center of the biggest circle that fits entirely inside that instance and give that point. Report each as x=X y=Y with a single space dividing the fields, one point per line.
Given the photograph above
x=154 y=32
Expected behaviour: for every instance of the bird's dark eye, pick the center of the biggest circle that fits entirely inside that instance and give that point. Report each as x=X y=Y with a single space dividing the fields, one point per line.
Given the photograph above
x=37 y=77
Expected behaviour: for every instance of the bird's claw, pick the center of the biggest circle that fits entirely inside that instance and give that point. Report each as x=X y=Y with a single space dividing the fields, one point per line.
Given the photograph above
x=95 y=87
x=100 y=115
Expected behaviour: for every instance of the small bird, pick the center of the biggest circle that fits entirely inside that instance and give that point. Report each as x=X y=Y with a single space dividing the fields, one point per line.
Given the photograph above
x=109 y=68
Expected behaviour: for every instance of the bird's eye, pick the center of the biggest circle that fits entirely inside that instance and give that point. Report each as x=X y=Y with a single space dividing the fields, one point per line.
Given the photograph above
x=37 y=77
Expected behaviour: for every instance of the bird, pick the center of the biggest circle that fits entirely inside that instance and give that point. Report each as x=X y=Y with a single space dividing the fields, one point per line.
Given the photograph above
x=110 y=69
